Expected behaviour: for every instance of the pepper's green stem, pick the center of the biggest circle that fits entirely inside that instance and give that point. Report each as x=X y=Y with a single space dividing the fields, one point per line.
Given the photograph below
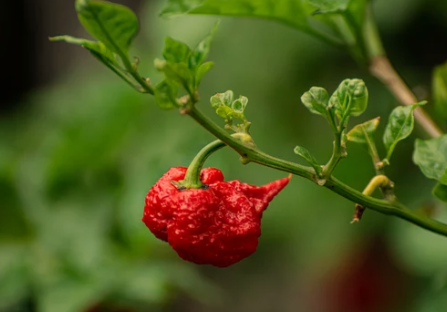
x=192 y=177
x=254 y=155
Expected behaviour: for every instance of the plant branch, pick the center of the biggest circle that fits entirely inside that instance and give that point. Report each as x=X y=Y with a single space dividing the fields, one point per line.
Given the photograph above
x=387 y=190
x=133 y=71
x=338 y=152
x=379 y=181
x=254 y=155
x=117 y=70
x=337 y=155
x=381 y=68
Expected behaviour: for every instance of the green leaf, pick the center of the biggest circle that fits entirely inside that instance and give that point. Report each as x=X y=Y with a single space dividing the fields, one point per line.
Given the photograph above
x=103 y=54
x=178 y=72
x=202 y=49
x=224 y=112
x=113 y=24
x=440 y=191
x=178 y=7
x=201 y=71
x=304 y=153
x=166 y=94
x=329 y=6
x=363 y=133
x=290 y=12
x=440 y=89
x=92 y=46
x=228 y=108
x=176 y=51
x=240 y=104
x=431 y=157
x=400 y=125
x=350 y=99
x=316 y=100
x=222 y=99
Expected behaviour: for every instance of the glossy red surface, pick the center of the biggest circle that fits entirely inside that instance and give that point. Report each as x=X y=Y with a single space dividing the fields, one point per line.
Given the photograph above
x=219 y=225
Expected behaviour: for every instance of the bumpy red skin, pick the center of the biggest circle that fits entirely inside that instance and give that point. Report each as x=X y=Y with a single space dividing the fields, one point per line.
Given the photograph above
x=219 y=225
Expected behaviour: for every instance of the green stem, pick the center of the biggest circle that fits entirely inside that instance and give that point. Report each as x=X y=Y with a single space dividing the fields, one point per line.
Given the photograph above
x=254 y=155
x=347 y=32
x=134 y=72
x=117 y=70
x=192 y=176
x=379 y=181
x=337 y=155
x=338 y=152
x=372 y=150
x=376 y=182
x=387 y=191
x=372 y=41
x=123 y=55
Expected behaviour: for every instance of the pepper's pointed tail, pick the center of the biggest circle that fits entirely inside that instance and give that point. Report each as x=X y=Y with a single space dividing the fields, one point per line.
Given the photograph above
x=261 y=196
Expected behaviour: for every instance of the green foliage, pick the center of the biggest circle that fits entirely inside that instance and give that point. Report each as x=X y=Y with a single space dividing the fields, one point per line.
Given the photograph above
x=184 y=67
x=165 y=93
x=201 y=72
x=439 y=85
x=400 y=125
x=290 y=12
x=96 y=47
x=305 y=154
x=201 y=51
x=325 y=6
x=81 y=185
x=229 y=108
x=350 y=99
x=431 y=157
x=440 y=191
x=176 y=51
x=115 y=27
x=316 y=100
x=178 y=72
x=364 y=132
x=113 y=24
x=343 y=19
x=178 y=7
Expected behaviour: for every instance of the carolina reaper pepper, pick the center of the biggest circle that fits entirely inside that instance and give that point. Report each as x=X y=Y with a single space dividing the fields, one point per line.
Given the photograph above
x=218 y=223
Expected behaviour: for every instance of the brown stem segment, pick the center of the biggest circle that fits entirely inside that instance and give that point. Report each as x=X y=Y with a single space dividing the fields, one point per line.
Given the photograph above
x=381 y=68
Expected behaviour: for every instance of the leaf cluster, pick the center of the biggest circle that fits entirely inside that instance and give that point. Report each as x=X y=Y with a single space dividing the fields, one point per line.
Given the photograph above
x=231 y=109
x=184 y=67
x=338 y=22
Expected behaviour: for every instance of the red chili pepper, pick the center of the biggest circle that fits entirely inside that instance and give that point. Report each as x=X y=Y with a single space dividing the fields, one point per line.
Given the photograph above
x=218 y=224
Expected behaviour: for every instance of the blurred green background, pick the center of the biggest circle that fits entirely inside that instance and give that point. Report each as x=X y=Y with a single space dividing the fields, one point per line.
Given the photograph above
x=80 y=150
